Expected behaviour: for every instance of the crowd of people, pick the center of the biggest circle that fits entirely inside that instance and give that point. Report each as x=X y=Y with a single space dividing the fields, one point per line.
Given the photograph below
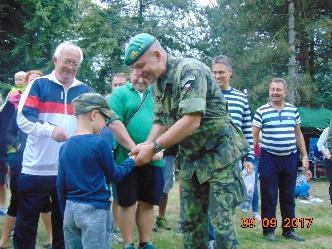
x=71 y=151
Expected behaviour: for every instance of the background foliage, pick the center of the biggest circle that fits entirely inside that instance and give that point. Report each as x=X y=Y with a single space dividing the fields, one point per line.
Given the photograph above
x=254 y=33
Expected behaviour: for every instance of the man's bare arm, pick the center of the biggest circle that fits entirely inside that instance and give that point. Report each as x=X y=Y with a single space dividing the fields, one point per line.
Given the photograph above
x=255 y=134
x=156 y=131
x=301 y=145
x=121 y=134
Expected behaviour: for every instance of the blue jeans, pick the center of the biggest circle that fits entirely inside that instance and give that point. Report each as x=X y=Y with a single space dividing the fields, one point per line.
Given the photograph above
x=85 y=226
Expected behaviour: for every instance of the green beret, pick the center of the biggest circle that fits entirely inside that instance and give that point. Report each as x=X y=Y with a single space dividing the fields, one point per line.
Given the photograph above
x=136 y=47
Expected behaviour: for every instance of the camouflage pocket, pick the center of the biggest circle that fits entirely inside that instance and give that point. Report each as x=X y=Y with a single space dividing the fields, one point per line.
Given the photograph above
x=228 y=186
x=233 y=146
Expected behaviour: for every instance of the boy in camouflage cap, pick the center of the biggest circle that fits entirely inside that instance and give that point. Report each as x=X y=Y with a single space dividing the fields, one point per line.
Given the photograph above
x=88 y=102
x=86 y=167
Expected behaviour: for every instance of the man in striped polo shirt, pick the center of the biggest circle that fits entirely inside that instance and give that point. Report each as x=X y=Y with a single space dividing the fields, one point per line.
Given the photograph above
x=238 y=107
x=279 y=123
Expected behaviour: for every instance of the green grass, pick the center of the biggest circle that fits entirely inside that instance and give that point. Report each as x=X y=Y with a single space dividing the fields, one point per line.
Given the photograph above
x=318 y=236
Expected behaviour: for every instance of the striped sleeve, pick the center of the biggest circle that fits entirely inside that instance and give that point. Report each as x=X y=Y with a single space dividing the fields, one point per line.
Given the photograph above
x=28 y=113
x=298 y=119
x=247 y=129
x=239 y=110
x=257 y=120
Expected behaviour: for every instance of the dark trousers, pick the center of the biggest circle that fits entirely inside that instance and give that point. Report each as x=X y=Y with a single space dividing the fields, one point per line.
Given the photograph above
x=15 y=166
x=328 y=167
x=277 y=172
x=33 y=192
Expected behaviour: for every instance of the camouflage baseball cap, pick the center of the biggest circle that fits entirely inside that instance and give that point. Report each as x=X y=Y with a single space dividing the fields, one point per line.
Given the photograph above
x=137 y=46
x=88 y=102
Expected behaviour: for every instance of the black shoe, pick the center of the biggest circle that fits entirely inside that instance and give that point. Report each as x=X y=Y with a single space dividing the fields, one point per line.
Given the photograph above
x=269 y=236
x=292 y=235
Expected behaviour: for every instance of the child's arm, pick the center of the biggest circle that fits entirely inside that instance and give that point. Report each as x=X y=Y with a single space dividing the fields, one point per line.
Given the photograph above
x=113 y=172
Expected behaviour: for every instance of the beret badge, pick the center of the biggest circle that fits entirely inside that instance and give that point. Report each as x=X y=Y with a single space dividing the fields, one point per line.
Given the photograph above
x=137 y=47
x=133 y=54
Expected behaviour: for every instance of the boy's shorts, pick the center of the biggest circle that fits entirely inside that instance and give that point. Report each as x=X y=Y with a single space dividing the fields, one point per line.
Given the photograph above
x=142 y=184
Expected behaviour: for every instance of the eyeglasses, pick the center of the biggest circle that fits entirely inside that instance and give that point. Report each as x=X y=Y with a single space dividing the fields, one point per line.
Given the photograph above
x=107 y=119
x=68 y=62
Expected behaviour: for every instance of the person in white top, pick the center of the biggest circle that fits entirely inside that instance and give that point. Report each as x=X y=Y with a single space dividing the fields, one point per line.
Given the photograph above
x=45 y=114
x=322 y=147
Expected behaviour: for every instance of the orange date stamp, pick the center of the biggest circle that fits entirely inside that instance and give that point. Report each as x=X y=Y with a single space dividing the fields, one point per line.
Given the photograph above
x=273 y=222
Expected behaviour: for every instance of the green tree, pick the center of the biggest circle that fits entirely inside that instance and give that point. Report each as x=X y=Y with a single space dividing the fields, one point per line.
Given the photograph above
x=164 y=19
x=102 y=33
x=254 y=33
x=314 y=28
x=4 y=90
x=29 y=32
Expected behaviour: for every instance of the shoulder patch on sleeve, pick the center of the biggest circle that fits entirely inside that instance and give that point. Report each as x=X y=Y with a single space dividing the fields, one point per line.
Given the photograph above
x=188 y=82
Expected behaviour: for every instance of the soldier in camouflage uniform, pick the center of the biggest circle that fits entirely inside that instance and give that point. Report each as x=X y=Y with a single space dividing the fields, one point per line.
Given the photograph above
x=190 y=111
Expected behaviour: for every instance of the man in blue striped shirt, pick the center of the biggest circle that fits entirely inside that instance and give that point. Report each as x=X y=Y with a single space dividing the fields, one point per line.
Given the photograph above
x=279 y=123
x=238 y=108
x=238 y=105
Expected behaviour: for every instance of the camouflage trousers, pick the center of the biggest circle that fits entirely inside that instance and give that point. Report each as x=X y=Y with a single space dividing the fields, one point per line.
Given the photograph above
x=217 y=197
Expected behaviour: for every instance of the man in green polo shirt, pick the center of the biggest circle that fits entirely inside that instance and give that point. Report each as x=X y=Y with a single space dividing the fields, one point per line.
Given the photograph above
x=189 y=110
x=133 y=103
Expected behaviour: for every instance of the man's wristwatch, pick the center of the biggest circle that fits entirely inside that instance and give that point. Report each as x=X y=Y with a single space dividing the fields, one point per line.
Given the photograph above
x=157 y=147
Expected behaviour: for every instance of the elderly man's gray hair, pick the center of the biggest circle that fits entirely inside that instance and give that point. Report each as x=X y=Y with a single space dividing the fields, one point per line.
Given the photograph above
x=65 y=44
x=223 y=59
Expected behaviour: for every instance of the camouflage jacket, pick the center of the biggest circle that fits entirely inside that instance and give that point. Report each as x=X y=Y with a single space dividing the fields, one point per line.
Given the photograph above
x=187 y=87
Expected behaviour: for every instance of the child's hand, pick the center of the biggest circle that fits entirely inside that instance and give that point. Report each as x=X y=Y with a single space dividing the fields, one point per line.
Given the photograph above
x=134 y=158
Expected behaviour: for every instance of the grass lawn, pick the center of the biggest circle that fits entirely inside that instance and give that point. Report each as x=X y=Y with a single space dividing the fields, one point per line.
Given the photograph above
x=318 y=236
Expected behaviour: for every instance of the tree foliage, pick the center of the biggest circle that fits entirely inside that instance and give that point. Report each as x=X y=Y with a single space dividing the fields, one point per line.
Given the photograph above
x=254 y=33
x=29 y=32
